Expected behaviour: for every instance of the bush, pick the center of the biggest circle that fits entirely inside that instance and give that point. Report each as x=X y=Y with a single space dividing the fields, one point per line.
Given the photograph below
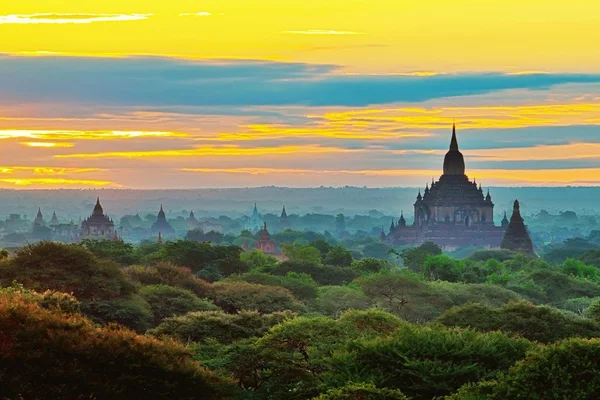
x=115 y=250
x=65 y=268
x=72 y=359
x=564 y=370
x=165 y=273
x=425 y=362
x=233 y=297
x=498 y=255
x=202 y=257
x=338 y=256
x=302 y=286
x=593 y=311
x=50 y=299
x=132 y=312
x=167 y=301
x=371 y=265
x=334 y=300
x=540 y=323
x=362 y=391
x=225 y=328
x=322 y=274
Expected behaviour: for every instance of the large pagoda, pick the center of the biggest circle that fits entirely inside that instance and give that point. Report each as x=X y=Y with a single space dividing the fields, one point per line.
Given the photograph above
x=453 y=212
x=98 y=225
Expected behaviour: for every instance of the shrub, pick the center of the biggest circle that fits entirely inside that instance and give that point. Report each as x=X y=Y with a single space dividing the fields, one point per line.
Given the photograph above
x=165 y=273
x=225 y=328
x=564 y=370
x=201 y=257
x=371 y=265
x=339 y=256
x=65 y=268
x=167 y=301
x=334 y=300
x=132 y=312
x=540 y=323
x=115 y=250
x=236 y=296
x=425 y=362
x=362 y=391
x=322 y=274
x=302 y=286
x=70 y=358
x=593 y=311
x=50 y=299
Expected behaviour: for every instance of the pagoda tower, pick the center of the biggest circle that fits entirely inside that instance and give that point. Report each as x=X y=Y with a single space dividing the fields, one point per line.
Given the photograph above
x=265 y=243
x=516 y=237
x=284 y=223
x=161 y=225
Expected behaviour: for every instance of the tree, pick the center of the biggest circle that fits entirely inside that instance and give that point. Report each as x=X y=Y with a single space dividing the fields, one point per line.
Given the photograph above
x=322 y=274
x=414 y=259
x=166 y=273
x=338 y=256
x=442 y=267
x=199 y=235
x=371 y=265
x=70 y=358
x=564 y=370
x=302 y=286
x=132 y=312
x=376 y=250
x=593 y=311
x=334 y=300
x=256 y=259
x=167 y=301
x=539 y=323
x=116 y=250
x=591 y=257
x=395 y=290
x=426 y=362
x=236 y=296
x=204 y=326
x=202 y=258
x=362 y=391
x=299 y=253
x=66 y=268
x=322 y=245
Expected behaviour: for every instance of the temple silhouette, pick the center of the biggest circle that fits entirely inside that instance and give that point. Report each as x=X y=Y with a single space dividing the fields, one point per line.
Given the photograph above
x=453 y=212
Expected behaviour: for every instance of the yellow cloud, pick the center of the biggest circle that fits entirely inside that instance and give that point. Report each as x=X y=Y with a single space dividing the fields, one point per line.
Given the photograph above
x=582 y=176
x=322 y=32
x=68 y=18
x=228 y=151
x=47 y=144
x=571 y=151
x=196 y=14
x=48 y=170
x=82 y=135
x=57 y=182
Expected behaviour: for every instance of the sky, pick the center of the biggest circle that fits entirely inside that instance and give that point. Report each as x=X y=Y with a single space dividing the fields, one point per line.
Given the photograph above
x=301 y=93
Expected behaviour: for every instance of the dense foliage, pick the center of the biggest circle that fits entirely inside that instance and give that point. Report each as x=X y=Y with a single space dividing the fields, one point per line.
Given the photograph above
x=325 y=323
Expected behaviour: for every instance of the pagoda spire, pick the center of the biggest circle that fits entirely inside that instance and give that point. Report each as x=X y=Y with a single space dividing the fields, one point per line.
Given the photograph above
x=454 y=141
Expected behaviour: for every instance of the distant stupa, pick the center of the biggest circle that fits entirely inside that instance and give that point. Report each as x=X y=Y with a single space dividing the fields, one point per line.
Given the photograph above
x=516 y=237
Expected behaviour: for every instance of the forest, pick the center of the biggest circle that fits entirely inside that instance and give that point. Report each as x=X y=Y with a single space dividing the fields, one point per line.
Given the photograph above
x=191 y=319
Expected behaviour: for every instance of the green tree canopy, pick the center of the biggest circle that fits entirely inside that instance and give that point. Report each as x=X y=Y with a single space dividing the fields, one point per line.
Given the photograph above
x=66 y=268
x=70 y=358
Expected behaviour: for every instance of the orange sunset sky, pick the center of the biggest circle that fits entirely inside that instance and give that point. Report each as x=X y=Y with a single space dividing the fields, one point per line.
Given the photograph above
x=230 y=93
